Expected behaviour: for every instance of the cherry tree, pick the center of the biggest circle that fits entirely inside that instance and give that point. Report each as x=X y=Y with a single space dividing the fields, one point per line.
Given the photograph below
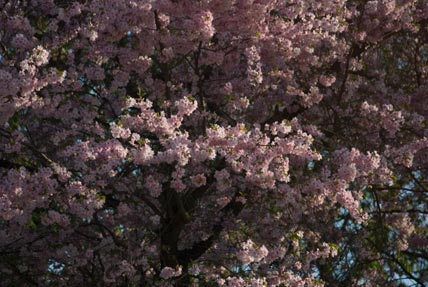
x=213 y=143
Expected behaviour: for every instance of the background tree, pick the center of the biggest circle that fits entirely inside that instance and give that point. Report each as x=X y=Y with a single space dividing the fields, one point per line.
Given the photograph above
x=213 y=143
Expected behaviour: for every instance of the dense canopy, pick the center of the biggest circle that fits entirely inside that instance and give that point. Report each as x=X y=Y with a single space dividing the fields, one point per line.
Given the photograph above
x=214 y=143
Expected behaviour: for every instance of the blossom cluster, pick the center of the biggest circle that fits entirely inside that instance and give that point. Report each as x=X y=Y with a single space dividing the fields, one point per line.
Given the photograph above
x=213 y=143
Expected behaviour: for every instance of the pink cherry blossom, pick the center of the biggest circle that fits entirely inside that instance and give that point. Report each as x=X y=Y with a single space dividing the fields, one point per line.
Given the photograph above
x=221 y=142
